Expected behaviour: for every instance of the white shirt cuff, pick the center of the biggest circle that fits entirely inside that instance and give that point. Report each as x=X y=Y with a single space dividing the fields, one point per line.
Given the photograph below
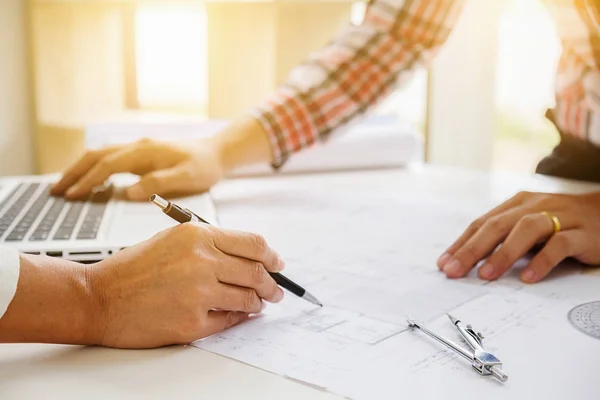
x=10 y=265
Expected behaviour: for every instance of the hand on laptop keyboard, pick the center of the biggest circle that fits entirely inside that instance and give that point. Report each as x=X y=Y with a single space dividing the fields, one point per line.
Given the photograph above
x=171 y=170
x=165 y=168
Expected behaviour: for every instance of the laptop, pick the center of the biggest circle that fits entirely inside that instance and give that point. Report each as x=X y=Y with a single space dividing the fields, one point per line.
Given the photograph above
x=87 y=231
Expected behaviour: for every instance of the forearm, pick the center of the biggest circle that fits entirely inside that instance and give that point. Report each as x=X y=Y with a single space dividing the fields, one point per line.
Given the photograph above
x=53 y=303
x=355 y=72
x=243 y=143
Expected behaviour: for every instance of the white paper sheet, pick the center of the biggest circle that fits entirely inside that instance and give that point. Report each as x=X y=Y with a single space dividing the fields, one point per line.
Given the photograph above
x=371 y=260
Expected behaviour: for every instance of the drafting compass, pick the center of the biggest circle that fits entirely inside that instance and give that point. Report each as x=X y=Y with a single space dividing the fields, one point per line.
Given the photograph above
x=484 y=362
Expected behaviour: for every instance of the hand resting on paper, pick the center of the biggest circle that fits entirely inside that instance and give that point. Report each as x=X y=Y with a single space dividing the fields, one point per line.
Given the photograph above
x=565 y=226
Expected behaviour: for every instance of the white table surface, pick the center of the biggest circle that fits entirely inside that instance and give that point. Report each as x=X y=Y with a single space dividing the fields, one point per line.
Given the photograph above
x=68 y=372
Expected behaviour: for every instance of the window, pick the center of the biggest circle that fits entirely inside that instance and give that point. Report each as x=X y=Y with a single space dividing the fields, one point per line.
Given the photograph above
x=499 y=65
x=171 y=56
x=527 y=57
x=171 y=64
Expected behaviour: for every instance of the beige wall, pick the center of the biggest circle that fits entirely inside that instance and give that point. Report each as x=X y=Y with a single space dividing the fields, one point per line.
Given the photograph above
x=16 y=155
x=81 y=73
x=244 y=69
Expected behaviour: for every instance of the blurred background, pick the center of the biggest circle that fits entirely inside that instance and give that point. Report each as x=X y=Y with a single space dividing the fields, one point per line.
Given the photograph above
x=80 y=73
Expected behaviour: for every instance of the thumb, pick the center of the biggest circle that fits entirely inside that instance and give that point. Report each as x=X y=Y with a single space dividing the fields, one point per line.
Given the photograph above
x=160 y=182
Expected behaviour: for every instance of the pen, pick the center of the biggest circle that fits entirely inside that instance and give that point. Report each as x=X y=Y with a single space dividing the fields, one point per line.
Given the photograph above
x=183 y=215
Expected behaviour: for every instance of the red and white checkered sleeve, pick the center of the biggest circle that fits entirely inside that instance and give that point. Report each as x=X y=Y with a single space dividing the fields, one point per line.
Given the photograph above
x=355 y=71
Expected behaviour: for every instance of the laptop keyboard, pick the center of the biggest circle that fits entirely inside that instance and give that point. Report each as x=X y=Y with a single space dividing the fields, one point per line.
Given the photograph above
x=42 y=232
x=11 y=214
x=20 y=230
x=30 y=213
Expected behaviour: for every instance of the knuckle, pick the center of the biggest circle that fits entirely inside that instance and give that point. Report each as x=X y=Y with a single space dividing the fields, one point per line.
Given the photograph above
x=145 y=141
x=90 y=154
x=494 y=224
x=522 y=195
x=273 y=291
x=210 y=231
x=105 y=164
x=562 y=242
x=230 y=319
x=151 y=181
x=468 y=253
x=529 y=222
x=257 y=273
x=543 y=202
x=187 y=173
x=548 y=201
x=190 y=231
x=476 y=225
x=251 y=300
x=259 y=243
x=544 y=260
x=187 y=229
x=502 y=257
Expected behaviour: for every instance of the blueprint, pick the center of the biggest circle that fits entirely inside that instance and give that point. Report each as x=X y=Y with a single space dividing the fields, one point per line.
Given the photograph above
x=371 y=259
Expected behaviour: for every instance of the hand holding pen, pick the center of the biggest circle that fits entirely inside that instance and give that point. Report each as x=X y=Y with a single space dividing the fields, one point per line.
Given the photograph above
x=183 y=215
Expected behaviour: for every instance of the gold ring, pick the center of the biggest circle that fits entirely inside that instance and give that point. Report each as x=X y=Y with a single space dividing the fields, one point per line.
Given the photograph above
x=555 y=221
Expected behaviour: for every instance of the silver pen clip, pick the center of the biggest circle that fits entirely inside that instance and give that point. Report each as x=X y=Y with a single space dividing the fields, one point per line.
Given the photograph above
x=482 y=361
x=195 y=217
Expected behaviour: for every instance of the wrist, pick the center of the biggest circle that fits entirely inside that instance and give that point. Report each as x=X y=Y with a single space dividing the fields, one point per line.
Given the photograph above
x=95 y=304
x=99 y=278
x=53 y=304
x=243 y=143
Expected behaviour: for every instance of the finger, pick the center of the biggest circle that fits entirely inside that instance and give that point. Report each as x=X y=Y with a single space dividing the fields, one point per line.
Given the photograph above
x=529 y=230
x=235 y=298
x=252 y=275
x=482 y=242
x=80 y=168
x=560 y=246
x=250 y=246
x=217 y=321
x=160 y=182
x=513 y=202
x=122 y=161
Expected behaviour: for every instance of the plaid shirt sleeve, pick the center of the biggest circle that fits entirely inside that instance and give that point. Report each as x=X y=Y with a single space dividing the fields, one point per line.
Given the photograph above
x=355 y=71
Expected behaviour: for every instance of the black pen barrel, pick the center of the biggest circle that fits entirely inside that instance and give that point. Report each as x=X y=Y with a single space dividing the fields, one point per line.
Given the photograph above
x=288 y=284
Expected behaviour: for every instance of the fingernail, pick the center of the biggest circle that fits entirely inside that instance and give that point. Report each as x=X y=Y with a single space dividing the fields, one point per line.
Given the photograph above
x=487 y=271
x=444 y=258
x=279 y=295
x=280 y=264
x=135 y=192
x=528 y=275
x=71 y=192
x=453 y=268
